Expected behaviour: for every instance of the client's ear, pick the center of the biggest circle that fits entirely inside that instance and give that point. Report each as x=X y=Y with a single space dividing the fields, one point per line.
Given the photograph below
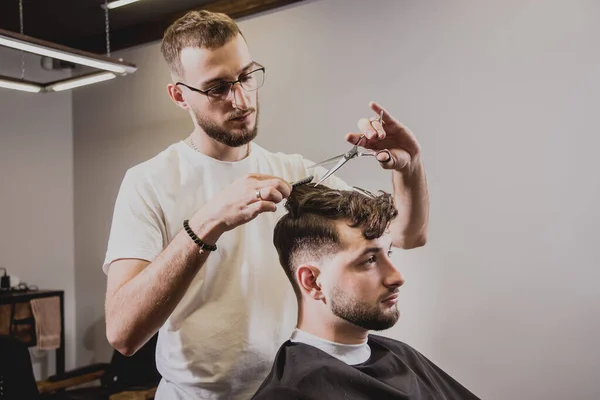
x=307 y=276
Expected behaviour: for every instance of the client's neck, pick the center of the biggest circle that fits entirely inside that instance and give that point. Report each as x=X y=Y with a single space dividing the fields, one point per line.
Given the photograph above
x=319 y=321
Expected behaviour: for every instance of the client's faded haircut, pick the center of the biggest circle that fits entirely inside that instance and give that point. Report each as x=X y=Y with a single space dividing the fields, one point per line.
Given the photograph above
x=308 y=232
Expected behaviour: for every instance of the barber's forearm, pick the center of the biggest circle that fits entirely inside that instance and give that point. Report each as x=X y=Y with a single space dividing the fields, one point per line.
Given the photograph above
x=136 y=311
x=411 y=197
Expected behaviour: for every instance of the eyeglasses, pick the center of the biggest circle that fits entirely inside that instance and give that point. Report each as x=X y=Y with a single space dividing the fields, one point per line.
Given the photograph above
x=250 y=81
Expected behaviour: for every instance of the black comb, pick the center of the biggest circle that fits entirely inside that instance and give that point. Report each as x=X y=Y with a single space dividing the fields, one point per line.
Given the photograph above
x=304 y=181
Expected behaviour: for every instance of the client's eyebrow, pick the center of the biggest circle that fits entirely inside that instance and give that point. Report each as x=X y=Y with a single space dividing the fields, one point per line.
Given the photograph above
x=376 y=249
x=220 y=79
x=370 y=250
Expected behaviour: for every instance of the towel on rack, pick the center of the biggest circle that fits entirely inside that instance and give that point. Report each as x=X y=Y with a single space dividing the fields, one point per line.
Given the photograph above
x=46 y=312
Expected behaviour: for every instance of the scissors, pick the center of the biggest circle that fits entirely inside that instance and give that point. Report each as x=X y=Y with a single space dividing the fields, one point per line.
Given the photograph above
x=344 y=158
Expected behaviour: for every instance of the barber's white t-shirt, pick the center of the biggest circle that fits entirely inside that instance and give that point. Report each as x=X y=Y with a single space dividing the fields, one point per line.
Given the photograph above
x=222 y=338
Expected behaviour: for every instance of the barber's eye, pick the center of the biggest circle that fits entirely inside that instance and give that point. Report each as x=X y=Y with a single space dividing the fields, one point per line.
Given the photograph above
x=389 y=253
x=219 y=90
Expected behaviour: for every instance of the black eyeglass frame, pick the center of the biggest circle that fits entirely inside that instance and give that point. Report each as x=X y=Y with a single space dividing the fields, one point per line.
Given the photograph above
x=239 y=80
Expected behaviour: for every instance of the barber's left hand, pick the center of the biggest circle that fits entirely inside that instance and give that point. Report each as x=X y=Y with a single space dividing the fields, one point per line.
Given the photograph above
x=392 y=136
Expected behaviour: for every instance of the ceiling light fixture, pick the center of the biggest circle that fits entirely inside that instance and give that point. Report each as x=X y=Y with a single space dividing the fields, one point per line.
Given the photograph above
x=16 y=84
x=79 y=81
x=120 y=3
x=36 y=46
x=109 y=67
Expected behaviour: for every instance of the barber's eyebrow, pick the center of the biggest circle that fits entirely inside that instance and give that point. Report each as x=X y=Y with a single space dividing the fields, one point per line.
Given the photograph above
x=219 y=79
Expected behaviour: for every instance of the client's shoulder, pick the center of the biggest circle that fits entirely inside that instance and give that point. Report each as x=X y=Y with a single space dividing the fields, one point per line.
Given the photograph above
x=296 y=361
x=297 y=370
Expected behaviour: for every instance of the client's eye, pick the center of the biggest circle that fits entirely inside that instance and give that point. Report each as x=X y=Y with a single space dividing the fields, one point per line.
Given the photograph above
x=371 y=260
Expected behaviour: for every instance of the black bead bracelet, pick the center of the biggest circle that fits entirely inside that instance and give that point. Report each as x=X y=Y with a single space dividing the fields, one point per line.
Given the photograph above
x=196 y=239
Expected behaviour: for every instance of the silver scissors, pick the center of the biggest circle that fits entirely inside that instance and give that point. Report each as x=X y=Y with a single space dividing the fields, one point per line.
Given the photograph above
x=344 y=158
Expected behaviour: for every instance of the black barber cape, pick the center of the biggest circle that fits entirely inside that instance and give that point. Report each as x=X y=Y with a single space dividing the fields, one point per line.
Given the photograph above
x=394 y=371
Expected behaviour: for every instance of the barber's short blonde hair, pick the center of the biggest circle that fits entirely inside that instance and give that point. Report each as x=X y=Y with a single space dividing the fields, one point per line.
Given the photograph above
x=203 y=29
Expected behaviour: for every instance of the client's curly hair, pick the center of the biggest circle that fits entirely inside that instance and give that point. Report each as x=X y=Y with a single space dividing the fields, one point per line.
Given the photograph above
x=308 y=229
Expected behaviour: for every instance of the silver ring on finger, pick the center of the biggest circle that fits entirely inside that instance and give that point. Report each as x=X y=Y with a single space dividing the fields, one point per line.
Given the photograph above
x=389 y=159
x=258 y=196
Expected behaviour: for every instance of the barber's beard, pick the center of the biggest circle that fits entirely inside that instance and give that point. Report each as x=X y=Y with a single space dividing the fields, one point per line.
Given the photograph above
x=226 y=137
x=365 y=315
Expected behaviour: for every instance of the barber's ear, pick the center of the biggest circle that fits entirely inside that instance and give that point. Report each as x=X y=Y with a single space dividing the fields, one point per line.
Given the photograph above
x=308 y=280
x=177 y=96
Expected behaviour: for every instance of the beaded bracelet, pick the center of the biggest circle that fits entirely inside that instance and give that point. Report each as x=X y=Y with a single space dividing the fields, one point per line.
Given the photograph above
x=196 y=239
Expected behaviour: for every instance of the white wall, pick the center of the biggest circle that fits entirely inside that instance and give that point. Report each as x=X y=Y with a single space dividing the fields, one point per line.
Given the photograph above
x=502 y=96
x=36 y=192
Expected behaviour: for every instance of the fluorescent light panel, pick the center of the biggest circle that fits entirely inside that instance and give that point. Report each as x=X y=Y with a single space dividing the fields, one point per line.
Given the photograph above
x=57 y=86
x=120 y=3
x=22 y=86
x=20 y=42
x=80 y=81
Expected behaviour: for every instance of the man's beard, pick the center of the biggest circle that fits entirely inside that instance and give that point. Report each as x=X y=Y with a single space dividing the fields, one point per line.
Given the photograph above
x=364 y=315
x=224 y=136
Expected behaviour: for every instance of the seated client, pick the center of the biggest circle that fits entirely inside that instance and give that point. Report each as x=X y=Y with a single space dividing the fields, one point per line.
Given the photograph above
x=335 y=248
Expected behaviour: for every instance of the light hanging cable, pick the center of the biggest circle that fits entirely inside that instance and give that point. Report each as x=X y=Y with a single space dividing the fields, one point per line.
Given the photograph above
x=106 y=28
x=22 y=30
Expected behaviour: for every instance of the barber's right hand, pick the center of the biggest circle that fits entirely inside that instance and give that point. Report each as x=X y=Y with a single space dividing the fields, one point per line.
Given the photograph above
x=243 y=200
